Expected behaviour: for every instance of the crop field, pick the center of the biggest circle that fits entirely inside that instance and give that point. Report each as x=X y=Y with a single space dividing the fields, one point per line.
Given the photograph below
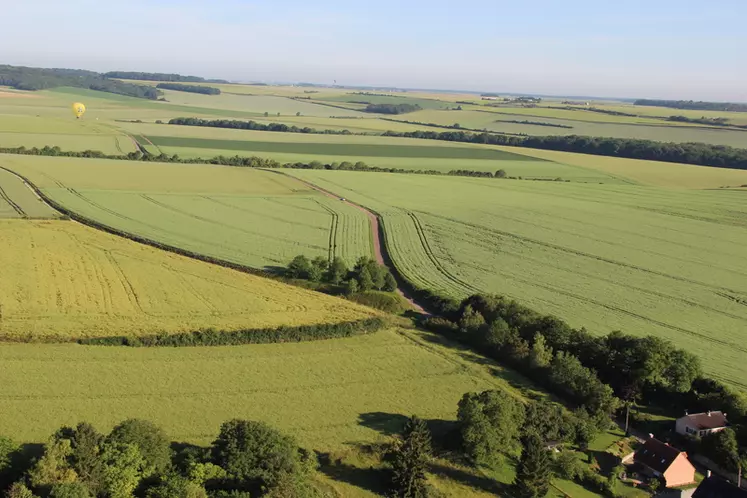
x=582 y=123
x=64 y=281
x=19 y=201
x=386 y=99
x=639 y=259
x=255 y=218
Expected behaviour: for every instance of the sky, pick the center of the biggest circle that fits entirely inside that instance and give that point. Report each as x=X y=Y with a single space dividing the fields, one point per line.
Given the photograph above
x=679 y=49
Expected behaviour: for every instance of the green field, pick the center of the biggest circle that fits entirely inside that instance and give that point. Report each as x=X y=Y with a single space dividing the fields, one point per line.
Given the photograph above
x=640 y=259
x=255 y=218
x=17 y=200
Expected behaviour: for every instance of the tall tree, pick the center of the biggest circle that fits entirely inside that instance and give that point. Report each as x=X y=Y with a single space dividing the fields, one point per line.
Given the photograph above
x=541 y=354
x=535 y=472
x=410 y=459
x=151 y=440
x=338 y=270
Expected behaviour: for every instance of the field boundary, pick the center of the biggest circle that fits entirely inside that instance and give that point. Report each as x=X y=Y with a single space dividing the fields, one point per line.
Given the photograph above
x=212 y=337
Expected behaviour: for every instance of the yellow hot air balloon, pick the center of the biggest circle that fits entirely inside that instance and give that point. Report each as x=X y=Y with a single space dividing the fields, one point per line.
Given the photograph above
x=79 y=109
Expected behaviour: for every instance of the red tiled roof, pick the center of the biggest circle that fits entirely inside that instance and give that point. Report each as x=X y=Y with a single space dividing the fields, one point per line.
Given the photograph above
x=706 y=421
x=657 y=455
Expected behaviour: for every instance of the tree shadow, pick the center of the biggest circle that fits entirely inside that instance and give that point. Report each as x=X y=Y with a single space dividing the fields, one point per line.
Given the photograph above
x=20 y=461
x=275 y=270
x=607 y=461
x=444 y=433
x=371 y=479
x=471 y=479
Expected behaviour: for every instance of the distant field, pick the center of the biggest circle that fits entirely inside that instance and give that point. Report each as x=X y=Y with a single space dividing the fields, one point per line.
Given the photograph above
x=63 y=281
x=582 y=123
x=255 y=218
x=18 y=201
x=607 y=257
x=322 y=392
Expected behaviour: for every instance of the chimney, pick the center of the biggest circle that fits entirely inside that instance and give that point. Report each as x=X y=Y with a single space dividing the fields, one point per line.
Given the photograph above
x=650 y=436
x=709 y=413
x=708 y=473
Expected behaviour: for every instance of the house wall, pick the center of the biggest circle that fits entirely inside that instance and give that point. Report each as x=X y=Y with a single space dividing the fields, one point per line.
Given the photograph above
x=682 y=426
x=680 y=473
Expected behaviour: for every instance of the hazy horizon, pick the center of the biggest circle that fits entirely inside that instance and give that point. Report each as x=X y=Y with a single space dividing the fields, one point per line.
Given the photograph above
x=655 y=49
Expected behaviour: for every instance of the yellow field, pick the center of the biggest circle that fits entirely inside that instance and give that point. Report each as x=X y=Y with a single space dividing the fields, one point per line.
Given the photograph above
x=63 y=281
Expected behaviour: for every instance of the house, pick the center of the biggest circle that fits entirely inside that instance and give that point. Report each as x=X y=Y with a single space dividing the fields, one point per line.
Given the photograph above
x=715 y=487
x=667 y=462
x=701 y=424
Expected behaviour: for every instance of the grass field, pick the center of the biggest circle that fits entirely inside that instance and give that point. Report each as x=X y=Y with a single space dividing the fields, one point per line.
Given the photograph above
x=255 y=218
x=641 y=259
x=64 y=281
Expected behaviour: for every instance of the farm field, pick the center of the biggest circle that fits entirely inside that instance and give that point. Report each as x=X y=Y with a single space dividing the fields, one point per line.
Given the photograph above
x=640 y=259
x=250 y=217
x=19 y=201
x=581 y=123
x=63 y=281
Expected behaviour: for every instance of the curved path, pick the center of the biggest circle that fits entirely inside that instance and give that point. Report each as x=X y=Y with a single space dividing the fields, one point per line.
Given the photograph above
x=380 y=251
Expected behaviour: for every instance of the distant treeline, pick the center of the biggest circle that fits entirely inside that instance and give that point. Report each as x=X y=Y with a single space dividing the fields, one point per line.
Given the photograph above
x=694 y=105
x=135 y=75
x=253 y=125
x=688 y=153
x=706 y=121
x=30 y=78
x=206 y=90
x=536 y=123
x=596 y=109
x=392 y=108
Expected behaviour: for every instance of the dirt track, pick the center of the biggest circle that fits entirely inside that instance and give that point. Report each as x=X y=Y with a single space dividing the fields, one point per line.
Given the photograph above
x=378 y=246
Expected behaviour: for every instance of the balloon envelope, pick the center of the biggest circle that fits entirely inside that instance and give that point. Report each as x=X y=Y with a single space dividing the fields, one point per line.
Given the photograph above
x=78 y=109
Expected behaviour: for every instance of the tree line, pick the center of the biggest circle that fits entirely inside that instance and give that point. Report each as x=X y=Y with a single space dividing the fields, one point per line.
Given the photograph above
x=694 y=105
x=706 y=121
x=247 y=459
x=536 y=123
x=687 y=153
x=206 y=90
x=253 y=125
x=366 y=275
x=392 y=108
x=596 y=372
x=29 y=78
x=137 y=75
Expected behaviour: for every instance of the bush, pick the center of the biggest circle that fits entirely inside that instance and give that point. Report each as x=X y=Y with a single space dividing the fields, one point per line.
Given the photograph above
x=384 y=301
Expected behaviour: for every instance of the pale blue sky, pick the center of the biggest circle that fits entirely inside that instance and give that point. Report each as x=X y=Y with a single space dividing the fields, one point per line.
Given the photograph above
x=628 y=48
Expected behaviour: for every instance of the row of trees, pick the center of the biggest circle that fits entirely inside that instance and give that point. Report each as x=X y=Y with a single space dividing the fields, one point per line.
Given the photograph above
x=253 y=125
x=366 y=275
x=206 y=90
x=694 y=105
x=590 y=370
x=535 y=123
x=392 y=108
x=247 y=459
x=137 y=75
x=705 y=121
x=688 y=153
x=29 y=78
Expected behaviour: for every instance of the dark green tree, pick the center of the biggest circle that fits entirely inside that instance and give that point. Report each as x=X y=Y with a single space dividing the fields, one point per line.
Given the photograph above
x=490 y=424
x=19 y=490
x=176 y=486
x=351 y=287
x=151 y=440
x=300 y=267
x=723 y=448
x=410 y=459
x=534 y=473
x=255 y=455
x=390 y=283
x=338 y=270
x=365 y=281
x=85 y=458
x=317 y=269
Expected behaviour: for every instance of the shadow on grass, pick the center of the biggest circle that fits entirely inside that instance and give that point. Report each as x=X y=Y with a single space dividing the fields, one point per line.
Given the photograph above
x=444 y=433
x=471 y=479
x=371 y=478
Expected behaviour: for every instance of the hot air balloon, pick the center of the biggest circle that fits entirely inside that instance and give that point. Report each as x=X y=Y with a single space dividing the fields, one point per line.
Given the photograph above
x=79 y=109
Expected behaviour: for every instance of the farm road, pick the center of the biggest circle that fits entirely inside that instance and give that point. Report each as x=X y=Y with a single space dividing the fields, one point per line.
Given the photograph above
x=380 y=252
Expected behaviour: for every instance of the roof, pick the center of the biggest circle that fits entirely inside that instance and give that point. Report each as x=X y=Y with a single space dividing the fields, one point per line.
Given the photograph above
x=715 y=487
x=709 y=420
x=657 y=455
